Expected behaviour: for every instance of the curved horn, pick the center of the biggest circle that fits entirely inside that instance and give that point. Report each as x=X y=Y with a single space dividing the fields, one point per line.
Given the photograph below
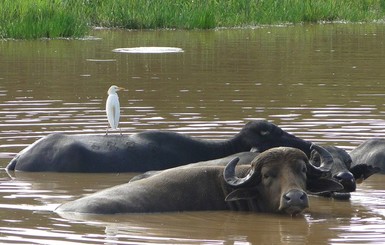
x=326 y=158
x=325 y=165
x=231 y=179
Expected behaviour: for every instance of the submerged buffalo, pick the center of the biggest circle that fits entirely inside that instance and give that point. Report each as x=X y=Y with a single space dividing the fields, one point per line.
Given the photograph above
x=370 y=152
x=151 y=150
x=276 y=181
x=342 y=170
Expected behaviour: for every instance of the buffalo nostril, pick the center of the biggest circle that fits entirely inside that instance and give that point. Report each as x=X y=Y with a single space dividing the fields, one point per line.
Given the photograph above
x=295 y=197
x=286 y=197
x=347 y=180
x=294 y=202
x=347 y=176
x=303 y=197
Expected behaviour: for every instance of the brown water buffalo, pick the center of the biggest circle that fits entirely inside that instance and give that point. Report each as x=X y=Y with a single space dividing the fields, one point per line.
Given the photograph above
x=342 y=169
x=150 y=150
x=370 y=152
x=276 y=181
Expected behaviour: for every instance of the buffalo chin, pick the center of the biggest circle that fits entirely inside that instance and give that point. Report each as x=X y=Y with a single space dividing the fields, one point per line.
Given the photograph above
x=293 y=210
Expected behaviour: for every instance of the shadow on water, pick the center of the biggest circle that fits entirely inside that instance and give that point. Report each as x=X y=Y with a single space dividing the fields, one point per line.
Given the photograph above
x=320 y=82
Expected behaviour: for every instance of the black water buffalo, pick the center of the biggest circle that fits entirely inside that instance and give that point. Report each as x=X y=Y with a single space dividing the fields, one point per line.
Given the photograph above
x=370 y=152
x=341 y=170
x=344 y=171
x=151 y=150
x=276 y=182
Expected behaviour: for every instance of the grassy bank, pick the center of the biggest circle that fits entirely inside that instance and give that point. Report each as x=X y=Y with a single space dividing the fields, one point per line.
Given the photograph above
x=74 y=18
x=29 y=19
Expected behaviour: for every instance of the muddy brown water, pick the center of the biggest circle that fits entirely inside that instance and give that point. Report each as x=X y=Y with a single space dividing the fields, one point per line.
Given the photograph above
x=324 y=83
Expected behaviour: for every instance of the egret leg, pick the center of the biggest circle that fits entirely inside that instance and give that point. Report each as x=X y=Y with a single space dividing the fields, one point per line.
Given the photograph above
x=120 y=132
x=106 y=131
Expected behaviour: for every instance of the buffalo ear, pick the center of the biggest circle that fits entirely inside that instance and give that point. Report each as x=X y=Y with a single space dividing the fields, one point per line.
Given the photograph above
x=363 y=171
x=321 y=185
x=241 y=194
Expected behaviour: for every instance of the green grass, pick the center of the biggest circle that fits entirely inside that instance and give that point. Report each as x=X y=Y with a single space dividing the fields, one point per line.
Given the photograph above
x=29 y=19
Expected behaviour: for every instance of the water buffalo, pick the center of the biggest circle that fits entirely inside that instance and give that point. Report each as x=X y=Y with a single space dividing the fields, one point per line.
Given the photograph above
x=150 y=150
x=341 y=170
x=276 y=181
x=370 y=152
x=344 y=171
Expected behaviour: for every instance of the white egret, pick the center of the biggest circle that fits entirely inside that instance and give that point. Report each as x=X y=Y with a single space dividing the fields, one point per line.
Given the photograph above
x=113 y=107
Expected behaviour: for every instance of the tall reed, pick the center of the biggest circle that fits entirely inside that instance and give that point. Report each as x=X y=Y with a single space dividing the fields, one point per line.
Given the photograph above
x=74 y=18
x=229 y=13
x=28 y=19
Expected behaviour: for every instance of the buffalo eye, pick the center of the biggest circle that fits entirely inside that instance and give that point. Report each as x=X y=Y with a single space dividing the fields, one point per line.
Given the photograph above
x=348 y=163
x=304 y=169
x=269 y=175
x=265 y=133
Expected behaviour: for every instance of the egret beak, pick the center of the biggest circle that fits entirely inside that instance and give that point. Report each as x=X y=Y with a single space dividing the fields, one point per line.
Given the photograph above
x=121 y=88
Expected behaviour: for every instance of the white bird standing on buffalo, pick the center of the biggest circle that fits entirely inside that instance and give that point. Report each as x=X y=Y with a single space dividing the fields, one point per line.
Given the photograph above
x=113 y=107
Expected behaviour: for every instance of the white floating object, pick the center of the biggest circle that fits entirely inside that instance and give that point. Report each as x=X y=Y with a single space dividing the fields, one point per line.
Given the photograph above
x=101 y=60
x=149 y=50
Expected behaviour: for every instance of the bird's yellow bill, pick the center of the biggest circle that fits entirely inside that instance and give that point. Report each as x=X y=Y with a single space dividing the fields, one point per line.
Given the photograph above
x=121 y=88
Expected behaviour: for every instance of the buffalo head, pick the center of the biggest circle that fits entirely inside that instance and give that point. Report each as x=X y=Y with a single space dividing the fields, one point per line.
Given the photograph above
x=262 y=135
x=279 y=178
x=343 y=171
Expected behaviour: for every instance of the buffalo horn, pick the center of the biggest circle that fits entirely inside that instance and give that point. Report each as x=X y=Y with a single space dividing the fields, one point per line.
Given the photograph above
x=326 y=159
x=231 y=179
